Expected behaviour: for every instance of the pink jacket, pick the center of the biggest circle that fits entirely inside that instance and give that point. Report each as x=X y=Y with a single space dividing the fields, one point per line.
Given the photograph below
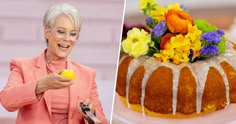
x=19 y=92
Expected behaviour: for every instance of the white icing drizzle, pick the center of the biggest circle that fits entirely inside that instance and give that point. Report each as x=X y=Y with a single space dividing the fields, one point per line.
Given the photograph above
x=134 y=64
x=123 y=58
x=176 y=73
x=197 y=84
x=229 y=57
x=229 y=47
x=150 y=65
x=200 y=70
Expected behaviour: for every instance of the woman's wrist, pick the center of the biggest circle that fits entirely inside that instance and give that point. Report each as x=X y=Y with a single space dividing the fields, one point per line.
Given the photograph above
x=40 y=88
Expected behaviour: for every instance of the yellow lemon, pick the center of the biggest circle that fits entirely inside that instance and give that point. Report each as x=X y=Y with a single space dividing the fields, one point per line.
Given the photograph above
x=68 y=74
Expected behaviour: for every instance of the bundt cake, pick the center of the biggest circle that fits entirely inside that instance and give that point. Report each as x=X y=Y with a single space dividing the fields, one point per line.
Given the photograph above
x=176 y=72
x=149 y=86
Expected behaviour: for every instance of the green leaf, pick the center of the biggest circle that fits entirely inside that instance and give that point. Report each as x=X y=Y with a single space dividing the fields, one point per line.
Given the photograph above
x=151 y=6
x=204 y=43
x=121 y=50
x=204 y=26
x=155 y=22
x=151 y=51
x=151 y=44
x=156 y=41
x=146 y=11
x=221 y=46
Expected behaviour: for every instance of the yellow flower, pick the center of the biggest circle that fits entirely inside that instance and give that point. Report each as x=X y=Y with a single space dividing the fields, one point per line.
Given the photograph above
x=179 y=47
x=158 y=13
x=164 y=55
x=158 y=56
x=181 y=57
x=194 y=34
x=136 y=43
x=179 y=41
x=143 y=3
x=174 y=6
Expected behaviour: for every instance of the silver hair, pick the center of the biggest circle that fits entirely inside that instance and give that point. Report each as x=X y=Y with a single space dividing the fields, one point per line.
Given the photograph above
x=61 y=9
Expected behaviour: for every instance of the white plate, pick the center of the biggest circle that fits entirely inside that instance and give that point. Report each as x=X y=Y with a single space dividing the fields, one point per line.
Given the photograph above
x=123 y=115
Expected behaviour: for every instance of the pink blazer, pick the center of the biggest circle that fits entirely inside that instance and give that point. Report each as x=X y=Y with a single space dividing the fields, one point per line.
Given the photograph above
x=19 y=92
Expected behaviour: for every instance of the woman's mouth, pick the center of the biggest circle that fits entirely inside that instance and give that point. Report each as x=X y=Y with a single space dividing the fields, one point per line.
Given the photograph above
x=63 y=46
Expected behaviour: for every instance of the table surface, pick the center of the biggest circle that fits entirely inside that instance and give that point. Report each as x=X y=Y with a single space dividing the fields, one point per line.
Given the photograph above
x=123 y=115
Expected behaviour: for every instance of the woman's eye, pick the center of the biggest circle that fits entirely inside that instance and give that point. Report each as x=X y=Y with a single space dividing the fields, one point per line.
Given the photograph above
x=61 y=32
x=73 y=34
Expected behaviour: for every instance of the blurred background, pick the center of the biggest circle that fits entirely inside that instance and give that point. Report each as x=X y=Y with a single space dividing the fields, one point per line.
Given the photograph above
x=21 y=35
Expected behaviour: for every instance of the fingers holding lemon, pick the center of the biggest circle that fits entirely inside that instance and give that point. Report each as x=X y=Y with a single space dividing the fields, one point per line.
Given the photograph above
x=67 y=73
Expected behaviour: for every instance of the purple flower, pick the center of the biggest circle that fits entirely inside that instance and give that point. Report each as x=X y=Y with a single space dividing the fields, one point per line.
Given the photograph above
x=182 y=6
x=190 y=56
x=159 y=29
x=220 y=32
x=209 y=51
x=150 y=22
x=211 y=37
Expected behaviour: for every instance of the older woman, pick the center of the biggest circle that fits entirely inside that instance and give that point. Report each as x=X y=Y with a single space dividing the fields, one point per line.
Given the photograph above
x=35 y=87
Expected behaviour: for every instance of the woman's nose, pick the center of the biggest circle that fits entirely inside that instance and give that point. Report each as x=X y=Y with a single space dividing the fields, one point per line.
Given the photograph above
x=67 y=37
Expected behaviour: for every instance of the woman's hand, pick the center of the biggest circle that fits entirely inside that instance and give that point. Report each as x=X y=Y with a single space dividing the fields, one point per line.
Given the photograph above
x=88 y=103
x=52 y=81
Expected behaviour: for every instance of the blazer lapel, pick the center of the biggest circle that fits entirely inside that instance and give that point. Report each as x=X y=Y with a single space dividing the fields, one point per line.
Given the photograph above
x=41 y=71
x=75 y=90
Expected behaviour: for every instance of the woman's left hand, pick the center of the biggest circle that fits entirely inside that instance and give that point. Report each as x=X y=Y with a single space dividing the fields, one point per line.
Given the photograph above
x=88 y=103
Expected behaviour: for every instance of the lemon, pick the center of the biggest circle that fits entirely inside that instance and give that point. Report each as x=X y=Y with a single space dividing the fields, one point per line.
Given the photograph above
x=68 y=74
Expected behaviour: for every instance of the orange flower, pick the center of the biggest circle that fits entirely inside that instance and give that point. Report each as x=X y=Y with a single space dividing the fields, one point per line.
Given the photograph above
x=177 y=21
x=177 y=62
x=164 y=41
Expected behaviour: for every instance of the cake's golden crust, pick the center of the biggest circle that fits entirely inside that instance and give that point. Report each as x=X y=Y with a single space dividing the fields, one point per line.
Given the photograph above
x=186 y=97
x=231 y=75
x=121 y=77
x=135 y=86
x=158 y=91
x=214 y=94
x=137 y=107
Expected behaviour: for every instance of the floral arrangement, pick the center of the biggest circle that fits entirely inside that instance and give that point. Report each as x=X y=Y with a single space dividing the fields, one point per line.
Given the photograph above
x=174 y=36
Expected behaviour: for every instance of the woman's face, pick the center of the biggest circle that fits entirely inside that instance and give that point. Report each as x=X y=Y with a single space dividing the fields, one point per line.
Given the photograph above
x=61 y=38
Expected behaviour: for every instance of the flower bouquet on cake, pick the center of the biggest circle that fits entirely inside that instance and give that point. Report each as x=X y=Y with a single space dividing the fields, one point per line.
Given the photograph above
x=175 y=37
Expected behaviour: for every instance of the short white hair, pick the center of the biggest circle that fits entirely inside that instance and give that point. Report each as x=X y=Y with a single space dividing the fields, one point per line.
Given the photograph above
x=61 y=9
